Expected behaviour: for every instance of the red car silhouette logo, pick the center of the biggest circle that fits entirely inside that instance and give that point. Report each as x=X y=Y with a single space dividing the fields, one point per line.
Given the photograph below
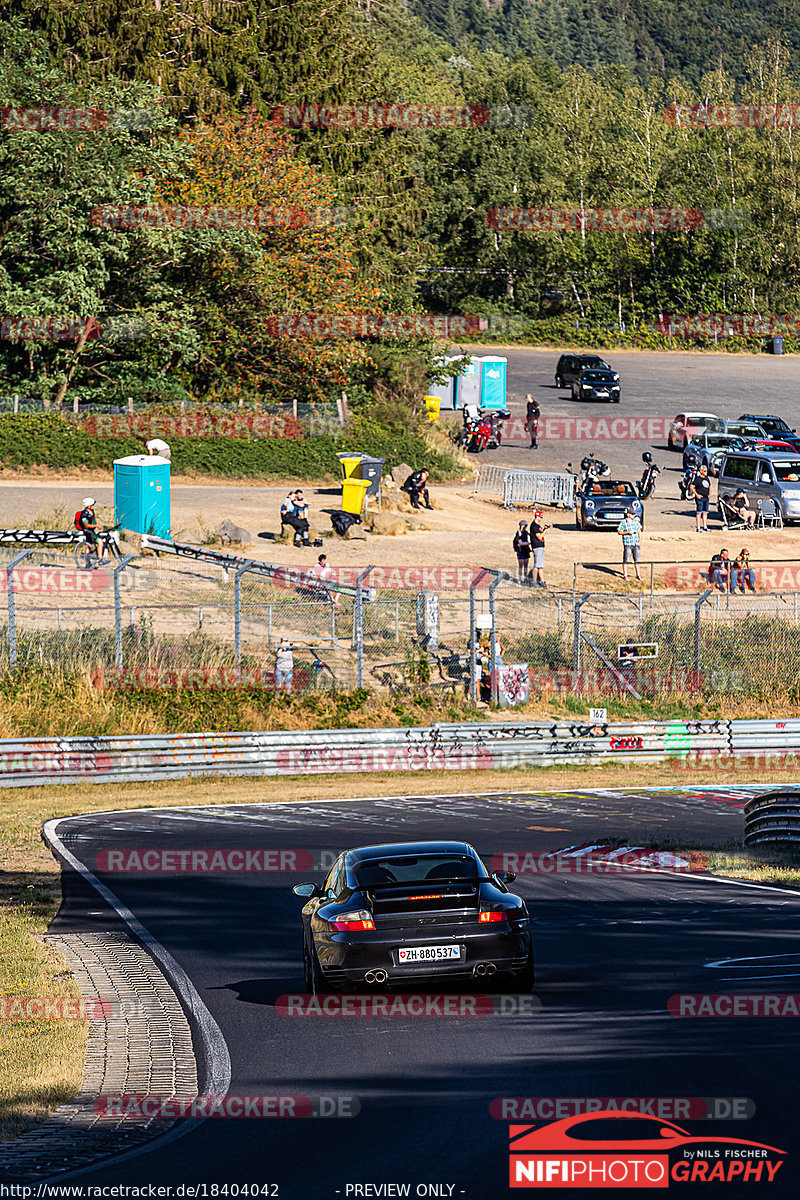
x=644 y=1133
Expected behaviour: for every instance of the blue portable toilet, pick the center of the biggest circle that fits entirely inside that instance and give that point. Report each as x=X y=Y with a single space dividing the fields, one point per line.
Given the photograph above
x=141 y=494
x=493 y=382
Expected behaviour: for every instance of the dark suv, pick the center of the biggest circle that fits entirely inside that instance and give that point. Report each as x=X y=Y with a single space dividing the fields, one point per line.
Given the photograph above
x=570 y=366
x=774 y=427
x=592 y=384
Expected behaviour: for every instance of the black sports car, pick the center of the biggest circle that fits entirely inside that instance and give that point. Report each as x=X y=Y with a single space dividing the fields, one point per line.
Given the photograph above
x=416 y=910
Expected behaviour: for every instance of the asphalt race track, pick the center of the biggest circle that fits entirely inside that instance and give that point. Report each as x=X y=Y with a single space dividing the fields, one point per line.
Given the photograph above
x=611 y=950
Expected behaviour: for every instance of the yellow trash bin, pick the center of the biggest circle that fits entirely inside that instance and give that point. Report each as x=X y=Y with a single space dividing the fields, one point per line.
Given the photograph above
x=433 y=403
x=351 y=465
x=353 y=492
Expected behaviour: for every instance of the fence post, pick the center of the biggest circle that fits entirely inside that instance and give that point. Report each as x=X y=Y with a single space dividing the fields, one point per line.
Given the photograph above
x=12 y=612
x=493 y=675
x=118 y=608
x=697 y=608
x=359 y=620
x=576 y=639
x=237 y=616
x=473 y=638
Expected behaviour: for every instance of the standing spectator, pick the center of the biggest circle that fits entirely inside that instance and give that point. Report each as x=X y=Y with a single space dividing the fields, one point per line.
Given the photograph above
x=416 y=486
x=742 y=572
x=284 y=666
x=294 y=512
x=701 y=490
x=532 y=414
x=522 y=549
x=537 y=544
x=159 y=447
x=719 y=570
x=631 y=529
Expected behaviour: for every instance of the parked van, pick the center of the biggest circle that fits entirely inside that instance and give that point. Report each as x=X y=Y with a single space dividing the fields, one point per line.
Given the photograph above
x=763 y=477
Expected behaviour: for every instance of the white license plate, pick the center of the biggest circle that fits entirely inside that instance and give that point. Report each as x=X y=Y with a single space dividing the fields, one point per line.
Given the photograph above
x=414 y=954
x=603 y=394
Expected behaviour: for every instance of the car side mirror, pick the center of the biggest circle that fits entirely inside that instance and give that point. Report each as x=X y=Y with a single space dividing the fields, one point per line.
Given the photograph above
x=308 y=890
x=508 y=877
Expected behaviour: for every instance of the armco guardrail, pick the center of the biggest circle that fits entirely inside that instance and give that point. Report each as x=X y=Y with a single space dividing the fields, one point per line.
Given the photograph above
x=489 y=745
x=772 y=817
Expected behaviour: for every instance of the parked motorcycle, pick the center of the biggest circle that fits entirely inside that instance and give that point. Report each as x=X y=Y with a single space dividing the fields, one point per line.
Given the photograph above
x=647 y=484
x=687 y=479
x=592 y=469
x=482 y=429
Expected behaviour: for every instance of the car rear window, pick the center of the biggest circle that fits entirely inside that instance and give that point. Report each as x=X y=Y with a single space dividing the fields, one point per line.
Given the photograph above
x=409 y=869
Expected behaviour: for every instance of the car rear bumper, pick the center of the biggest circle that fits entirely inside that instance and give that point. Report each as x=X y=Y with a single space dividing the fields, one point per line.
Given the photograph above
x=346 y=958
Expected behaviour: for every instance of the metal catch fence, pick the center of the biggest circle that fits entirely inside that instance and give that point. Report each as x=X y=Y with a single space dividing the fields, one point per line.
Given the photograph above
x=180 y=622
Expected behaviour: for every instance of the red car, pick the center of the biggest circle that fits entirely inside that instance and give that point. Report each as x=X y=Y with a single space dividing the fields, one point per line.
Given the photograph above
x=644 y=1133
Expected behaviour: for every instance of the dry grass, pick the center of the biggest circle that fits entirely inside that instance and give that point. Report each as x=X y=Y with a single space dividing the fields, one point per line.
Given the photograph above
x=41 y=1062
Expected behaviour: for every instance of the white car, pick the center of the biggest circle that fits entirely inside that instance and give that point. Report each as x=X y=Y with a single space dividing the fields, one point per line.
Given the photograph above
x=686 y=425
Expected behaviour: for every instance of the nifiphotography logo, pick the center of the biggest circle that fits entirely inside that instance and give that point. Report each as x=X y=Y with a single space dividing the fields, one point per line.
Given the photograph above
x=614 y=1149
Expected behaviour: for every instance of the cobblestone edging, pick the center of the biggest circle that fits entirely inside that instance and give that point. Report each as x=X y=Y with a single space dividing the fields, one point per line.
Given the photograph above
x=143 y=1048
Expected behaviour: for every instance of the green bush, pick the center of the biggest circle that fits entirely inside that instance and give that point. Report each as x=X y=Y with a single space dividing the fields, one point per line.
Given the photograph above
x=53 y=440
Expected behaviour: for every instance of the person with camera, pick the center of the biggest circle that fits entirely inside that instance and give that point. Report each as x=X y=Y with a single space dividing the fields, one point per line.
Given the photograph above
x=538 y=529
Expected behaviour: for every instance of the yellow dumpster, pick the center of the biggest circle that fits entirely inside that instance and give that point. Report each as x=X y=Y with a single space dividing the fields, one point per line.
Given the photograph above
x=351 y=466
x=432 y=403
x=353 y=492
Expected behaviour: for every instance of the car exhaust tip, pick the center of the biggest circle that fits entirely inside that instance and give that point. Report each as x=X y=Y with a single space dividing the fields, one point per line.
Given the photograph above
x=484 y=968
x=375 y=977
x=490 y=968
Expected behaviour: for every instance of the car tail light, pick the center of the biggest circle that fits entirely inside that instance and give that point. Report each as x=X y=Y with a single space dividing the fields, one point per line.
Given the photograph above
x=484 y=918
x=427 y=896
x=352 y=922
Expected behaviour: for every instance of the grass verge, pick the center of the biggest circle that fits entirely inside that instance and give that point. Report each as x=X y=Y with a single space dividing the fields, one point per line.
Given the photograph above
x=41 y=1062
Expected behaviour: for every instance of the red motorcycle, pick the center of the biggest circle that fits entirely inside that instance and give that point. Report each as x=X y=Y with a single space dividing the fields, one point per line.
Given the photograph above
x=482 y=429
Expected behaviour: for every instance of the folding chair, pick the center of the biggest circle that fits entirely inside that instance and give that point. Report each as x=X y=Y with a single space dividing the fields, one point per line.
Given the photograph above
x=731 y=518
x=769 y=514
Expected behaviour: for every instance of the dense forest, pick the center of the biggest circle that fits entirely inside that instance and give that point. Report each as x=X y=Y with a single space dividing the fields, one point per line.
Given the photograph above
x=648 y=37
x=576 y=99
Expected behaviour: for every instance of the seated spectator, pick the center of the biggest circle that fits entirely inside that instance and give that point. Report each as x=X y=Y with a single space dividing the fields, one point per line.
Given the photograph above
x=743 y=509
x=719 y=570
x=294 y=512
x=416 y=486
x=742 y=572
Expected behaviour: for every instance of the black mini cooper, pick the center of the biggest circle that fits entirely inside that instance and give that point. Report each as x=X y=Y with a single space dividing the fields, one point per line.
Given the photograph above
x=395 y=914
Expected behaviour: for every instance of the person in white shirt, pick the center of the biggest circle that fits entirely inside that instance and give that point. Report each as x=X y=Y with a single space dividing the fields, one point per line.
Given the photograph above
x=284 y=666
x=157 y=446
